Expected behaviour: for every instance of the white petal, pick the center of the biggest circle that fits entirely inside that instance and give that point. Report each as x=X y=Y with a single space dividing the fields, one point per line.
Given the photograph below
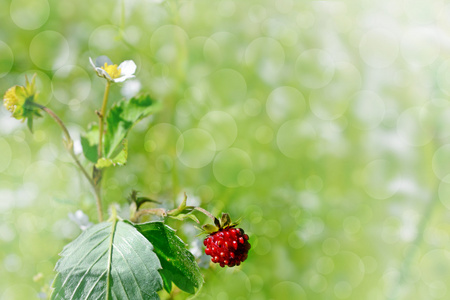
x=127 y=67
x=123 y=78
x=102 y=73
x=99 y=72
x=105 y=74
x=92 y=63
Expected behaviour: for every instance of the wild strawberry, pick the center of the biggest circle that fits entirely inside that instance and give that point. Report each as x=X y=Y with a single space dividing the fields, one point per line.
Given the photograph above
x=227 y=245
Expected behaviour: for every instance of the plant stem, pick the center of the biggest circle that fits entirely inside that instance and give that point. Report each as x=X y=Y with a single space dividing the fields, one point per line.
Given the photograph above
x=69 y=146
x=101 y=119
x=97 y=174
x=207 y=213
x=68 y=142
x=98 y=200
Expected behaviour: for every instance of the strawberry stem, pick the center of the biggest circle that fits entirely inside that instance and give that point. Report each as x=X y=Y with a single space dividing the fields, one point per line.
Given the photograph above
x=208 y=214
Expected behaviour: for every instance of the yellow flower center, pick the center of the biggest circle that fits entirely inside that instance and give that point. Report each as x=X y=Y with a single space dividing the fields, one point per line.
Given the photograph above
x=112 y=70
x=10 y=99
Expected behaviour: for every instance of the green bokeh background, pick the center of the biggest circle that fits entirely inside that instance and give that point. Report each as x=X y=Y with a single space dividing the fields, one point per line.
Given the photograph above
x=324 y=124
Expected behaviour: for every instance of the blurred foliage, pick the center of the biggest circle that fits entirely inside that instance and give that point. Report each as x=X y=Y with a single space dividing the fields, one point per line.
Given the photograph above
x=322 y=123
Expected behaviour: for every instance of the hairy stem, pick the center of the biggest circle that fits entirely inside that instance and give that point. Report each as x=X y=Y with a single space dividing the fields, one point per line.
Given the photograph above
x=207 y=213
x=68 y=142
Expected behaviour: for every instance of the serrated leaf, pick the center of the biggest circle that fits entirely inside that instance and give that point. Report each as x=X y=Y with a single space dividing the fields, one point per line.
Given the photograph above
x=122 y=117
x=110 y=260
x=178 y=264
x=119 y=160
x=89 y=143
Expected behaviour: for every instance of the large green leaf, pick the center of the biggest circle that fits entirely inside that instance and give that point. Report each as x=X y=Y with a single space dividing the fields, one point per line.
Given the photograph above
x=122 y=117
x=110 y=260
x=178 y=264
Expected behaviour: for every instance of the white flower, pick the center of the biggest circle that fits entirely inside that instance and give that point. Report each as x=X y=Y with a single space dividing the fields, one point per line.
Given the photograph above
x=106 y=69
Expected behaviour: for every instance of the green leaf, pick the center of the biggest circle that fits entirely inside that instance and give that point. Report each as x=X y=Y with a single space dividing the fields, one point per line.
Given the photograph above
x=119 y=160
x=110 y=260
x=89 y=142
x=178 y=264
x=122 y=117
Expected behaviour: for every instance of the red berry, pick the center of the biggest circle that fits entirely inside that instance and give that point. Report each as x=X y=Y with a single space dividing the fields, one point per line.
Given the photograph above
x=227 y=247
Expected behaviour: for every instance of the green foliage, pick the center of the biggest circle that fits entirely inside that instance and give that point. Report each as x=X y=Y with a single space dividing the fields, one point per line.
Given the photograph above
x=183 y=217
x=178 y=264
x=119 y=160
x=110 y=260
x=89 y=142
x=122 y=117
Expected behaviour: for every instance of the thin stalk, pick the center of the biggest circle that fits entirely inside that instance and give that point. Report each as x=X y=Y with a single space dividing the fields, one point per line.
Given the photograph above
x=68 y=142
x=98 y=200
x=69 y=146
x=207 y=213
x=97 y=173
x=101 y=119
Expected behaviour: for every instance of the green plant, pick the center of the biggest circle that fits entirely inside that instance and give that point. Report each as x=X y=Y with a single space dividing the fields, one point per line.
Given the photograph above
x=117 y=258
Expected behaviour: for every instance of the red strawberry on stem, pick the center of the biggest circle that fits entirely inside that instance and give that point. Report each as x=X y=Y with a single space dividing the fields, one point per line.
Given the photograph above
x=226 y=244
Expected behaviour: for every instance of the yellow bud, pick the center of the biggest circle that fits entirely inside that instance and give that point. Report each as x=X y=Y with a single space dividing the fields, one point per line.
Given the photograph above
x=10 y=100
x=16 y=97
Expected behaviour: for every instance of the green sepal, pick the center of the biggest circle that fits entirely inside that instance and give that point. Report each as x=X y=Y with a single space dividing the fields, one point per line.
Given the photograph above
x=235 y=223
x=183 y=217
x=225 y=220
x=27 y=111
x=30 y=124
x=209 y=228
x=217 y=223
